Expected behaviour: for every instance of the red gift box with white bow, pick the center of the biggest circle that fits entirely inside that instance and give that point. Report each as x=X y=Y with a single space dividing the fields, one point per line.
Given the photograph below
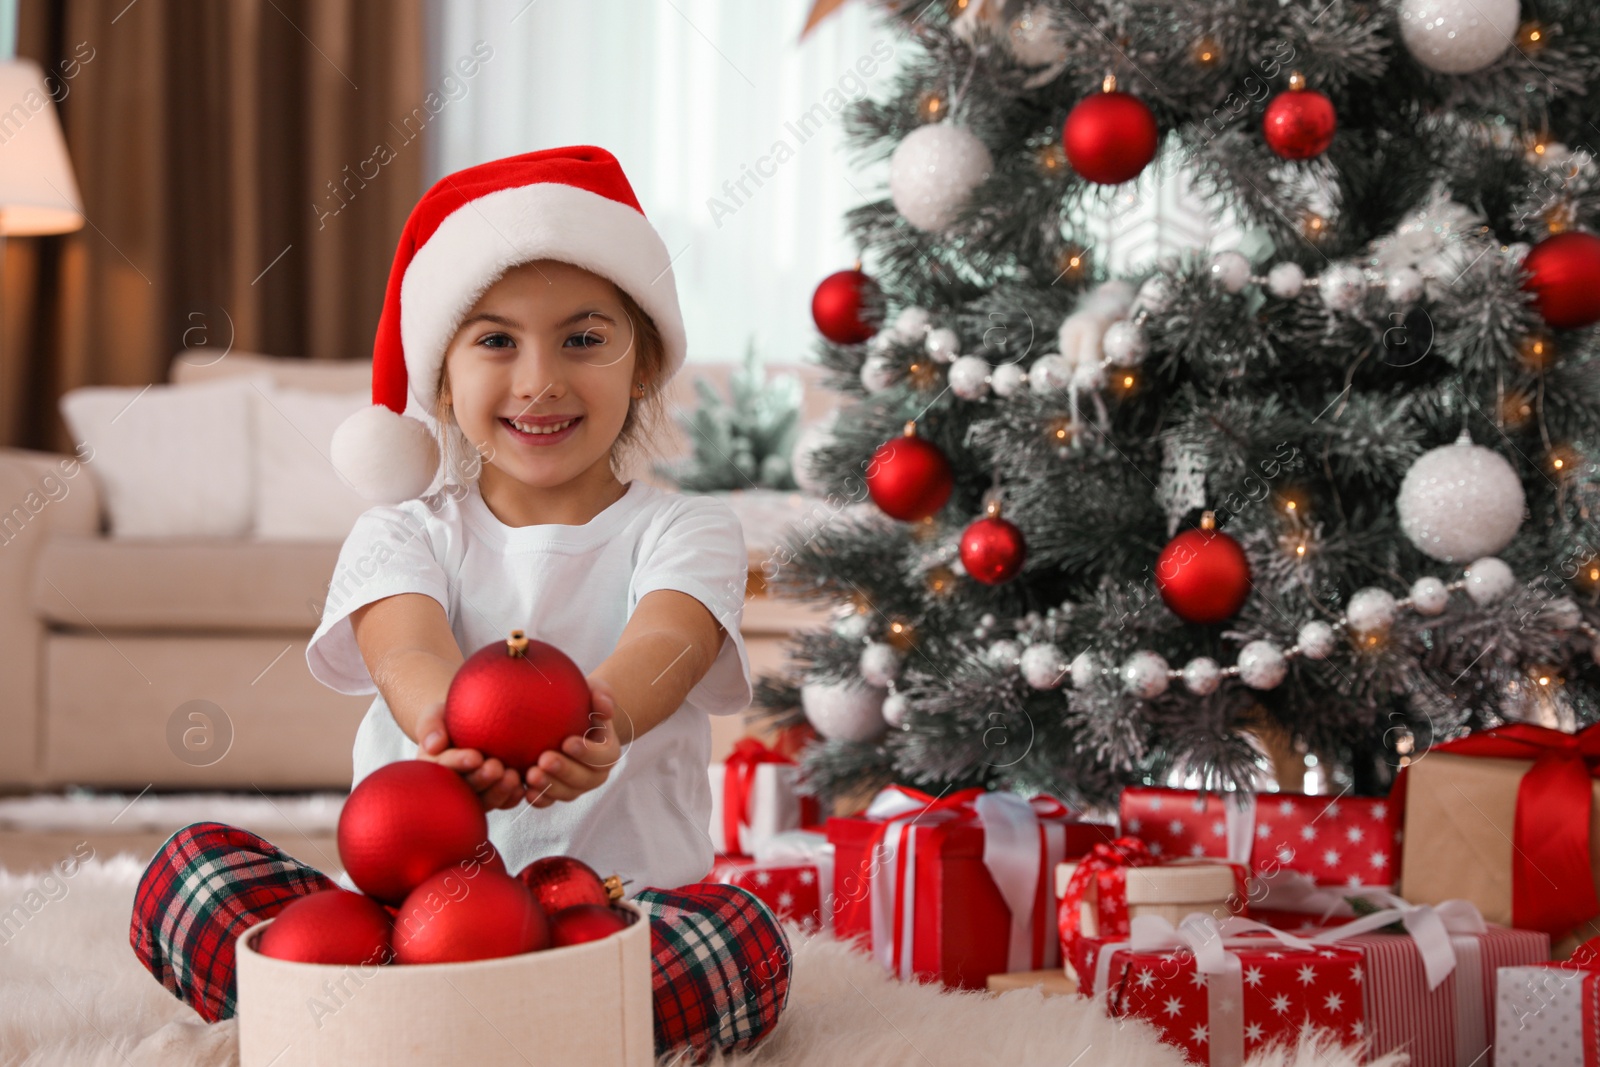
x=792 y=873
x=754 y=796
x=955 y=888
x=1345 y=841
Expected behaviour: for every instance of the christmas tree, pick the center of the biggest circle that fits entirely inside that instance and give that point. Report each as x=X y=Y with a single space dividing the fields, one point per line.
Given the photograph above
x=1331 y=491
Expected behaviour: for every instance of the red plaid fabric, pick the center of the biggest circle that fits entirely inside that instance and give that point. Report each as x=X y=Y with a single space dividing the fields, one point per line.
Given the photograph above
x=720 y=961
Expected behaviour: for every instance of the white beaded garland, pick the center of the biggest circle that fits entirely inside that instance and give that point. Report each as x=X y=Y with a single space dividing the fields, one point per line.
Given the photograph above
x=1088 y=375
x=880 y=663
x=933 y=172
x=1370 y=611
x=1285 y=280
x=1004 y=653
x=1488 y=580
x=1458 y=36
x=1404 y=286
x=942 y=344
x=1145 y=674
x=1563 y=613
x=912 y=322
x=1043 y=666
x=1342 y=286
x=895 y=706
x=854 y=626
x=1155 y=295
x=1124 y=344
x=1231 y=271
x=969 y=377
x=1084 y=670
x=1050 y=373
x=1429 y=596
x=877 y=374
x=1316 y=640
x=1460 y=501
x=1261 y=665
x=1201 y=676
x=1007 y=379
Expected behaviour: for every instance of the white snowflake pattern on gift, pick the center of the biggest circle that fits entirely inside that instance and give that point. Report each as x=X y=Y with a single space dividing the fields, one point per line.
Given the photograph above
x=1354 y=881
x=807 y=876
x=1380 y=811
x=1280 y=1003
x=1354 y=834
x=1330 y=858
x=762 y=878
x=1219 y=829
x=1174 y=1006
x=1333 y=1002
x=1357 y=975
x=785 y=900
x=1197 y=849
x=1307 y=974
x=1175 y=827
x=1379 y=860
x=1253 y=1032
x=1198 y=1034
x=1145 y=979
x=1285 y=807
x=1197 y=979
x=1358 y=1029
x=1134 y=826
x=1264 y=831
x=1308 y=832
x=1155 y=848
x=1253 y=976
x=1332 y=810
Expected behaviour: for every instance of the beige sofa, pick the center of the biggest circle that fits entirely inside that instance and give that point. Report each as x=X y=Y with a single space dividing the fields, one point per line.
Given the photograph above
x=180 y=663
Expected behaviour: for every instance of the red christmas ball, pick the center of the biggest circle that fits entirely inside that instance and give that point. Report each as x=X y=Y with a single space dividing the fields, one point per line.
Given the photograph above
x=403 y=822
x=516 y=699
x=329 y=926
x=484 y=858
x=1564 y=276
x=1203 y=576
x=1110 y=137
x=1299 y=124
x=559 y=882
x=451 y=917
x=585 y=922
x=992 y=550
x=847 y=307
x=909 y=478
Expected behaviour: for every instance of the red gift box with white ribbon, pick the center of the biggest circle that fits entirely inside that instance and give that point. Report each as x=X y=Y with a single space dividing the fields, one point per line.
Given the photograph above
x=792 y=873
x=1337 y=840
x=754 y=796
x=955 y=888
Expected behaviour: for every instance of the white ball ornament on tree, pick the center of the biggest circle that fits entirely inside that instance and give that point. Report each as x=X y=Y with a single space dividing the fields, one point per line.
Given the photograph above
x=1155 y=295
x=1004 y=653
x=1144 y=674
x=848 y=710
x=1429 y=596
x=969 y=377
x=1405 y=286
x=1316 y=640
x=1262 y=665
x=1231 y=271
x=854 y=626
x=1370 y=611
x=1286 y=280
x=942 y=344
x=1008 y=379
x=1489 y=580
x=1044 y=666
x=1342 y=287
x=880 y=663
x=1050 y=373
x=1088 y=375
x=1036 y=39
x=1125 y=344
x=1202 y=676
x=933 y=172
x=1085 y=670
x=1460 y=501
x=911 y=323
x=1458 y=36
x=895 y=706
x=877 y=374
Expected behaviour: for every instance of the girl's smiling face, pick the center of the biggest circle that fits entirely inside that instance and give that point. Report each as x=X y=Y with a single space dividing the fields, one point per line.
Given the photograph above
x=541 y=373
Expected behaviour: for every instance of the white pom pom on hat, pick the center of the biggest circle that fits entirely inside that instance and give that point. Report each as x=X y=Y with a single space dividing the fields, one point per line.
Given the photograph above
x=570 y=204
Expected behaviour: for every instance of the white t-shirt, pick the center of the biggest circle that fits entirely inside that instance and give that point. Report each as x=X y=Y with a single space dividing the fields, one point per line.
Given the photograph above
x=574 y=587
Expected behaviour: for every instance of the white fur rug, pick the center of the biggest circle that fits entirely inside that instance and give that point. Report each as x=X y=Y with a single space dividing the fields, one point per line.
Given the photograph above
x=72 y=993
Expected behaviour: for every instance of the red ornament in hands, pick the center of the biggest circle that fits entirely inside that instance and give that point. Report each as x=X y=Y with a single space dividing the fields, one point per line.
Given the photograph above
x=1564 y=276
x=559 y=882
x=329 y=926
x=515 y=699
x=1203 y=575
x=405 y=821
x=847 y=307
x=992 y=549
x=584 y=922
x=1110 y=137
x=451 y=917
x=1300 y=123
x=909 y=478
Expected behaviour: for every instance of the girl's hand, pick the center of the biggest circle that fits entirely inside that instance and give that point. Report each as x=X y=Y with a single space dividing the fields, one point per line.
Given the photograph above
x=587 y=759
x=497 y=785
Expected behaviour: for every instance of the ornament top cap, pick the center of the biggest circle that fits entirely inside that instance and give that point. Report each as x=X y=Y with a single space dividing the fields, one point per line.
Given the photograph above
x=613 y=884
x=1208 y=520
x=516 y=644
x=1109 y=84
x=1297 y=81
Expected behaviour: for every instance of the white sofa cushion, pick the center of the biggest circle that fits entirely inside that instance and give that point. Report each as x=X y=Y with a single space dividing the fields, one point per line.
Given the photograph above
x=170 y=460
x=299 y=496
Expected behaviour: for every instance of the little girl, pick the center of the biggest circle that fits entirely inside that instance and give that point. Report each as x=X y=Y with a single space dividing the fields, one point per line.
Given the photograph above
x=530 y=323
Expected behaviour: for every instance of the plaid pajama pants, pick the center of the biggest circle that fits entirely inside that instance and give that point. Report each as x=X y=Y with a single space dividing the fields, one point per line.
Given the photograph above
x=720 y=962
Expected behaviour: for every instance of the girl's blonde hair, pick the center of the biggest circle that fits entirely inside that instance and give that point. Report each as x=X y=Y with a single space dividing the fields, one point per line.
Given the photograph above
x=637 y=440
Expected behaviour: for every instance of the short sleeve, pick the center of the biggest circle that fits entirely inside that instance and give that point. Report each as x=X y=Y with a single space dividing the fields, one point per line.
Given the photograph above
x=701 y=552
x=388 y=551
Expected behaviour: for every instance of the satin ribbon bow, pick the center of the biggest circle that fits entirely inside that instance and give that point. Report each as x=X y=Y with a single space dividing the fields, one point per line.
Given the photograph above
x=738 y=781
x=1552 y=869
x=1106 y=856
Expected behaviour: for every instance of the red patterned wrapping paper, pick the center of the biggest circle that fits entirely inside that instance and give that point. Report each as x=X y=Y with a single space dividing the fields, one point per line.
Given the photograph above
x=792 y=890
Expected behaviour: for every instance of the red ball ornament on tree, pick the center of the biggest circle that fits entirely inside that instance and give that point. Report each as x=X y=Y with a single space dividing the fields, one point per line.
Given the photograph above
x=1110 y=137
x=1203 y=575
x=908 y=477
x=1300 y=123
x=405 y=821
x=329 y=926
x=992 y=549
x=847 y=307
x=584 y=922
x=560 y=882
x=1564 y=276
x=451 y=917
x=515 y=699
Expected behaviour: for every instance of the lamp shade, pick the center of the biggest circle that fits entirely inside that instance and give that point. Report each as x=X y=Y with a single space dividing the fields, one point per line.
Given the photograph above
x=38 y=193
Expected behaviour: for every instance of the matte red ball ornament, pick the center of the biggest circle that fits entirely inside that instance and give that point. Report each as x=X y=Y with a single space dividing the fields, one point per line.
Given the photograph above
x=1564 y=276
x=451 y=917
x=405 y=821
x=329 y=926
x=1203 y=575
x=1111 y=136
x=847 y=307
x=516 y=699
x=584 y=922
x=908 y=477
x=559 y=882
x=992 y=548
x=1300 y=123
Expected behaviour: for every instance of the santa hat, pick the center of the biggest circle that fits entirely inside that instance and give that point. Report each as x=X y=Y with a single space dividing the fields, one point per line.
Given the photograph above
x=569 y=204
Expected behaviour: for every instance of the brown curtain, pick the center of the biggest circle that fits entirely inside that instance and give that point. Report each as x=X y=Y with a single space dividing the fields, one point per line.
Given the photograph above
x=246 y=167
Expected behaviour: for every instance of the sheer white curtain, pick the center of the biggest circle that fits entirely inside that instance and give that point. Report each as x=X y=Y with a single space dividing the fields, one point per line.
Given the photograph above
x=727 y=126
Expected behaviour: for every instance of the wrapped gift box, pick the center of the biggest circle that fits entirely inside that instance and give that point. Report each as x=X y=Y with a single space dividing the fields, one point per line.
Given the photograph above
x=957 y=888
x=793 y=874
x=1549 y=1015
x=1336 y=840
x=754 y=796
